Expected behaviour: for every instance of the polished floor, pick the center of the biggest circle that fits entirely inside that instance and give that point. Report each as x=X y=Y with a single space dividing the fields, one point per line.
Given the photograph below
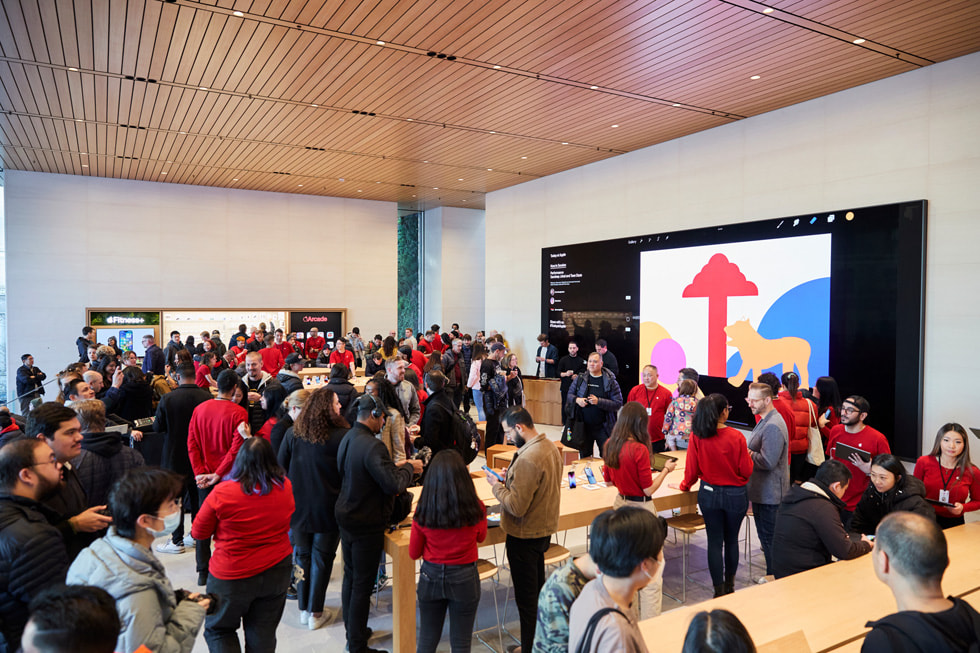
x=294 y=637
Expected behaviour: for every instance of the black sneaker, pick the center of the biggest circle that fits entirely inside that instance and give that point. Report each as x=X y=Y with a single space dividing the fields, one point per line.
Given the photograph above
x=291 y=592
x=202 y=578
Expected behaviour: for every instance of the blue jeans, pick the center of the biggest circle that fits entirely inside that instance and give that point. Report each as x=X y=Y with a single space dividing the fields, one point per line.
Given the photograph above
x=765 y=526
x=478 y=402
x=723 y=508
x=315 y=553
x=455 y=588
x=256 y=603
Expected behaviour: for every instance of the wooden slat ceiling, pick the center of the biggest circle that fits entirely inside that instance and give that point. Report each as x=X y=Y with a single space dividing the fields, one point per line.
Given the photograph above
x=425 y=103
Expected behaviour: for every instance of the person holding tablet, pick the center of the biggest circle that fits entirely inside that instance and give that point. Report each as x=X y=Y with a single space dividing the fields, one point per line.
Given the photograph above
x=718 y=455
x=627 y=466
x=952 y=481
x=854 y=433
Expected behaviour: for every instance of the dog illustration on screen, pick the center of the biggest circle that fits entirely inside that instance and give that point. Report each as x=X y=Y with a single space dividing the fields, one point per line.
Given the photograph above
x=759 y=354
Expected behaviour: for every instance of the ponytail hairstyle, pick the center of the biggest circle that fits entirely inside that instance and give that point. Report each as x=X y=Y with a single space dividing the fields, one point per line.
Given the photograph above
x=791 y=382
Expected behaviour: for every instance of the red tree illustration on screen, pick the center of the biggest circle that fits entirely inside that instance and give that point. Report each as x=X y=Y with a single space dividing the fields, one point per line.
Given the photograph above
x=718 y=280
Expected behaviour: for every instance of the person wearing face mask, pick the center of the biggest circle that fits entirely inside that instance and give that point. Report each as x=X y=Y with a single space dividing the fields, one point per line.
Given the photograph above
x=891 y=489
x=627 y=547
x=144 y=507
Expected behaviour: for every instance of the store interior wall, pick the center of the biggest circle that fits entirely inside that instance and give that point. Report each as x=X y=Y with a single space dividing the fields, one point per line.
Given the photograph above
x=75 y=242
x=455 y=250
x=908 y=137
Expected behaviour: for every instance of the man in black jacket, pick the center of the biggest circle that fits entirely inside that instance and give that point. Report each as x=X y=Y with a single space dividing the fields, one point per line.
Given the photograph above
x=289 y=377
x=910 y=556
x=173 y=417
x=32 y=551
x=808 y=525
x=87 y=338
x=369 y=482
x=437 y=421
x=103 y=459
x=175 y=345
x=30 y=382
x=79 y=523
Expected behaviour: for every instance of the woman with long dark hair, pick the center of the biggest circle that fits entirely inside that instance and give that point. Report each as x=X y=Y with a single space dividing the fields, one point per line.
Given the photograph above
x=248 y=514
x=804 y=416
x=309 y=455
x=826 y=394
x=393 y=432
x=891 y=489
x=273 y=402
x=136 y=395
x=719 y=456
x=627 y=466
x=107 y=367
x=950 y=475
x=389 y=348
x=449 y=524
x=515 y=387
x=112 y=342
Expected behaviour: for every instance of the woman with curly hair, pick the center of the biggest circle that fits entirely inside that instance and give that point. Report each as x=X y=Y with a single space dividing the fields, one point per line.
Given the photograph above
x=309 y=456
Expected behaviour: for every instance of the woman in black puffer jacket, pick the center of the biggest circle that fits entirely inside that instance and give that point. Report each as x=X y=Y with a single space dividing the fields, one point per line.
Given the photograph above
x=891 y=489
x=344 y=389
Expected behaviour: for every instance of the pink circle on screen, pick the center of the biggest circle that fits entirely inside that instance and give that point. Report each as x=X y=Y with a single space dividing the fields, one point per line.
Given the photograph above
x=668 y=357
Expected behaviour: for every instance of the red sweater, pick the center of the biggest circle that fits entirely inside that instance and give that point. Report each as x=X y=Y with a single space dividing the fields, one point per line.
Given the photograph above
x=346 y=358
x=250 y=530
x=272 y=360
x=719 y=460
x=314 y=346
x=213 y=439
x=446 y=546
x=634 y=474
x=867 y=439
x=801 y=407
x=201 y=376
x=266 y=431
x=656 y=402
x=961 y=486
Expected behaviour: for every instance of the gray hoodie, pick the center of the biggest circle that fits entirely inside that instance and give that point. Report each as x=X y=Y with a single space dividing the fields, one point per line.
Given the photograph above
x=145 y=599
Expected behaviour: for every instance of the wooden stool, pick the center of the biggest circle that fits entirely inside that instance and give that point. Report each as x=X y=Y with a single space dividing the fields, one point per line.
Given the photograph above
x=555 y=555
x=687 y=525
x=486 y=571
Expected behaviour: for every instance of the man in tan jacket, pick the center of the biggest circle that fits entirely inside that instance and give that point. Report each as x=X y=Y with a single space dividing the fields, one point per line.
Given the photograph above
x=529 y=501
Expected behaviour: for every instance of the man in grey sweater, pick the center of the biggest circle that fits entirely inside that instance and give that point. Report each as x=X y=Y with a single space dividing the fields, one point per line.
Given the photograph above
x=770 y=465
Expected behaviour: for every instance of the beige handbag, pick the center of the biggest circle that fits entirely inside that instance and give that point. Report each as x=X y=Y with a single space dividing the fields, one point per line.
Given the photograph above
x=814 y=454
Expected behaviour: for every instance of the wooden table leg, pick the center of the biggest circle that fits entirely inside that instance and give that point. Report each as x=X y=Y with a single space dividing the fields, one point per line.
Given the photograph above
x=403 y=598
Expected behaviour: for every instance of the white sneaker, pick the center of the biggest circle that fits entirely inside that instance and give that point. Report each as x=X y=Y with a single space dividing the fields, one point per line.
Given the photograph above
x=304 y=617
x=315 y=622
x=188 y=540
x=169 y=547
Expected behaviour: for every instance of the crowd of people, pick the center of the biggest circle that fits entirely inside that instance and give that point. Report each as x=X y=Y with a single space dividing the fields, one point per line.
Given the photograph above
x=276 y=475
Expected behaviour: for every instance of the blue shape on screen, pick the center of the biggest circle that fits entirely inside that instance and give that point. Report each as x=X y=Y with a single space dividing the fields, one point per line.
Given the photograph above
x=804 y=312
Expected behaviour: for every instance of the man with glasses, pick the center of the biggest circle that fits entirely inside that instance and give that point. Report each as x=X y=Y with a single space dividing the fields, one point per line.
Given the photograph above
x=32 y=551
x=854 y=432
x=770 y=465
x=529 y=500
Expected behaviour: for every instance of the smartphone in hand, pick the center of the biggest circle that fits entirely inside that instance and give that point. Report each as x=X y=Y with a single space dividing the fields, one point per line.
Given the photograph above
x=490 y=471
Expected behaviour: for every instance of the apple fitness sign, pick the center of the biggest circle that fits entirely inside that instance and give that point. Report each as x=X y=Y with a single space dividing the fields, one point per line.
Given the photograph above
x=124 y=318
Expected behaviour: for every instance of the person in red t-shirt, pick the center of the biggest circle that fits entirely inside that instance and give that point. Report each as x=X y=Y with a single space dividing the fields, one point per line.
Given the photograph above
x=279 y=342
x=853 y=431
x=314 y=344
x=202 y=377
x=949 y=476
x=719 y=456
x=340 y=355
x=272 y=358
x=627 y=466
x=449 y=524
x=249 y=516
x=239 y=349
x=655 y=400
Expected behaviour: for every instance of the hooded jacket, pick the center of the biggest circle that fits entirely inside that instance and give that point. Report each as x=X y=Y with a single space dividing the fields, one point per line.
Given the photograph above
x=101 y=463
x=908 y=493
x=145 y=600
x=611 y=403
x=32 y=557
x=809 y=531
x=956 y=629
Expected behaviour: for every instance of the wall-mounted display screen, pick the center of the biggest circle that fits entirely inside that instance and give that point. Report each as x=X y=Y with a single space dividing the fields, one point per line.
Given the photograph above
x=127 y=338
x=329 y=324
x=835 y=293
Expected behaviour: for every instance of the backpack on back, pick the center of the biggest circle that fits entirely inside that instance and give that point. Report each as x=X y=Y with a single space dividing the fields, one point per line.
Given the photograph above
x=466 y=437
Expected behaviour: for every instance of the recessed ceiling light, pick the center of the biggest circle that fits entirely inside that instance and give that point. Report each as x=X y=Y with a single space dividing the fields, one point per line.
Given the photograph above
x=593 y=87
x=235 y=179
x=359 y=190
x=164 y=172
x=413 y=195
x=768 y=10
x=300 y=185
x=425 y=162
x=435 y=188
x=341 y=179
x=380 y=42
x=523 y=157
x=493 y=132
x=377 y=182
x=755 y=77
x=202 y=88
x=495 y=68
x=183 y=132
x=564 y=143
x=74 y=70
x=460 y=179
x=410 y=119
x=84 y=165
x=84 y=153
x=238 y=13
x=169 y=161
x=489 y=169
x=858 y=41
x=314 y=105
x=78 y=120
x=675 y=105
x=615 y=126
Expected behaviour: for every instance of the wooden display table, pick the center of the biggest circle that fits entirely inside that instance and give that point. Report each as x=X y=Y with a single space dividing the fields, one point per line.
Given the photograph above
x=504 y=453
x=829 y=604
x=578 y=508
x=543 y=400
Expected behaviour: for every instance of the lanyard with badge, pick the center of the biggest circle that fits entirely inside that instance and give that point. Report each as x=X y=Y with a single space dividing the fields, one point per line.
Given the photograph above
x=944 y=493
x=649 y=400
